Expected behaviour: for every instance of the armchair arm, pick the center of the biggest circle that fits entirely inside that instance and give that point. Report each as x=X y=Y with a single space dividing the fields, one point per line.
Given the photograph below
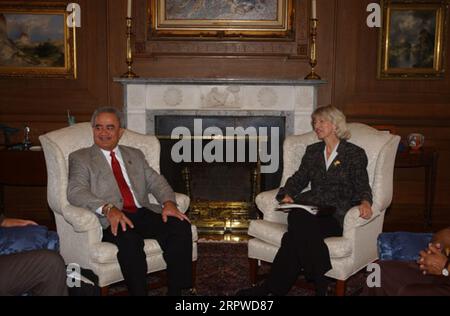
x=362 y=234
x=353 y=220
x=182 y=201
x=266 y=203
x=81 y=219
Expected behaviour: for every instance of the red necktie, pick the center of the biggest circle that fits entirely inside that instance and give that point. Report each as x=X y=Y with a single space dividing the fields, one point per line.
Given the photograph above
x=128 y=201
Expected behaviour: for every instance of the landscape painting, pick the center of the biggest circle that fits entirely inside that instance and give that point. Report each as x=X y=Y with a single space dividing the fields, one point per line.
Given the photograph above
x=34 y=43
x=258 y=10
x=412 y=41
x=412 y=35
x=239 y=18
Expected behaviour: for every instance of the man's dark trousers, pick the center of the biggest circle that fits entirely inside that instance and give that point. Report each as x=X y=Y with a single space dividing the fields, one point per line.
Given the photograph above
x=175 y=239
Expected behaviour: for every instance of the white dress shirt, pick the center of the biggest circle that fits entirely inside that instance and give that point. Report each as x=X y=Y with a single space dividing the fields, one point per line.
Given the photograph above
x=107 y=155
x=332 y=155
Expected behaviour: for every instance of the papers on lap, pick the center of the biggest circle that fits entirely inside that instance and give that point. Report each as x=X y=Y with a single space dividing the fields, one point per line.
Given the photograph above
x=315 y=210
x=286 y=207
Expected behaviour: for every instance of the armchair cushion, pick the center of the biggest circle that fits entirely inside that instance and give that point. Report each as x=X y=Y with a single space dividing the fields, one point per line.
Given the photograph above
x=27 y=238
x=266 y=231
x=105 y=252
x=404 y=246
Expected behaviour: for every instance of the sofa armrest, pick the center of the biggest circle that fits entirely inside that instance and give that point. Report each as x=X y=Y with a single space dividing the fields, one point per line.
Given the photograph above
x=80 y=218
x=266 y=203
x=182 y=201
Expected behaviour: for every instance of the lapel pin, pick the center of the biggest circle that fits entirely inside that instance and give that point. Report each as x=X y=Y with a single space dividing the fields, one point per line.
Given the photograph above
x=337 y=163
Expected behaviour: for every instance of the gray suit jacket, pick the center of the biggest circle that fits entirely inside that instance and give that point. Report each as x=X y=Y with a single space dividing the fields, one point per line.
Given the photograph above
x=92 y=182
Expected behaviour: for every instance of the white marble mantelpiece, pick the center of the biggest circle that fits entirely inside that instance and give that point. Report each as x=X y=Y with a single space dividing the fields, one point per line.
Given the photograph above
x=144 y=98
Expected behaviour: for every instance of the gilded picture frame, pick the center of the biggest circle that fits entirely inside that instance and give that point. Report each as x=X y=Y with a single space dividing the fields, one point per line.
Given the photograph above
x=35 y=40
x=241 y=19
x=412 y=40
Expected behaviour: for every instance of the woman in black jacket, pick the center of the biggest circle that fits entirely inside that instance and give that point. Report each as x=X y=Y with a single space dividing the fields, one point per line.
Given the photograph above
x=336 y=170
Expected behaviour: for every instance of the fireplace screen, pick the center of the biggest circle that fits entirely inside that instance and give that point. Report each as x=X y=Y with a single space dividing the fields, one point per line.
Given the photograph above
x=222 y=195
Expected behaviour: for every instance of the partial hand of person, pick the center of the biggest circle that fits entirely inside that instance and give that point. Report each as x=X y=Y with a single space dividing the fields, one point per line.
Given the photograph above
x=116 y=217
x=365 y=210
x=287 y=199
x=432 y=260
x=16 y=222
x=170 y=209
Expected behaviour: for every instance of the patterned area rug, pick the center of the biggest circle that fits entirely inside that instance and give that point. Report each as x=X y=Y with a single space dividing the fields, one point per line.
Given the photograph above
x=222 y=269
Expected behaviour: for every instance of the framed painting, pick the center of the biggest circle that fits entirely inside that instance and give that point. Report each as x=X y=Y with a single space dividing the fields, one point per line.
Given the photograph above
x=35 y=40
x=218 y=18
x=412 y=40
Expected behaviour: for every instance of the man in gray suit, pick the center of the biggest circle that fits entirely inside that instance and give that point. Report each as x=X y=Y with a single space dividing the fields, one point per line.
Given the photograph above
x=114 y=182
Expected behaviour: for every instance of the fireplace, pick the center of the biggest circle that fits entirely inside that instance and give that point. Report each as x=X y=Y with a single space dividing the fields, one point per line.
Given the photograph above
x=222 y=189
x=157 y=106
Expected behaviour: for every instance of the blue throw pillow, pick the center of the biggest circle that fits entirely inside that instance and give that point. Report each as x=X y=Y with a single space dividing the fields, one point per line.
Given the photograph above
x=404 y=246
x=26 y=238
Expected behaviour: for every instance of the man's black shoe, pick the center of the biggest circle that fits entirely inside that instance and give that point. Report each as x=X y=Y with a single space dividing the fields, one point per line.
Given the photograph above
x=189 y=292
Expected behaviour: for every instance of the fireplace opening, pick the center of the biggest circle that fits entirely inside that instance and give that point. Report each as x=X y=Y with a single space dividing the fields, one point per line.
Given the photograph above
x=222 y=192
x=222 y=195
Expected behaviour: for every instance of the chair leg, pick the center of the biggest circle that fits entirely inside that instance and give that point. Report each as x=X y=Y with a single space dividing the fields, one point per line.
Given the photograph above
x=104 y=291
x=253 y=270
x=340 y=288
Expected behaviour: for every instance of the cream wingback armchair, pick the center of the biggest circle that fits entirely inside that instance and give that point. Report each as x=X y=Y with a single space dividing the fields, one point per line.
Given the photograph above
x=79 y=229
x=357 y=247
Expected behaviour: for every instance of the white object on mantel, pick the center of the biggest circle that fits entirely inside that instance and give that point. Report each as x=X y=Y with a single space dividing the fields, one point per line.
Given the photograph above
x=144 y=98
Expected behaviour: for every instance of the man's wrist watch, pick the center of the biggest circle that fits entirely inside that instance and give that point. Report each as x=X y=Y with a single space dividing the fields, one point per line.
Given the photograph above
x=445 y=271
x=107 y=208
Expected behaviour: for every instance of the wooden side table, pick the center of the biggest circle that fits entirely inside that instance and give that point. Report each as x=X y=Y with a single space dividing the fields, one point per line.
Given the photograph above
x=425 y=158
x=21 y=168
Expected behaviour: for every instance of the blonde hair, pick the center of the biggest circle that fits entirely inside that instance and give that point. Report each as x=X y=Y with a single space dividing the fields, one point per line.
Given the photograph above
x=335 y=116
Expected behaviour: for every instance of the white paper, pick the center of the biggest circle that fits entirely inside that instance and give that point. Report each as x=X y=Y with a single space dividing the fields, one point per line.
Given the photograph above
x=286 y=206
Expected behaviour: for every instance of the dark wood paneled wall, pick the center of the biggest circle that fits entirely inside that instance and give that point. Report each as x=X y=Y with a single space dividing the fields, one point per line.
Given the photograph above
x=410 y=105
x=347 y=54
x=42 y=103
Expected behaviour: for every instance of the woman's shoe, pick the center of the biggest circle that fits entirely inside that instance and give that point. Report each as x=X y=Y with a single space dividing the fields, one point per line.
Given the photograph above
x=259 y=290
x=322 y=286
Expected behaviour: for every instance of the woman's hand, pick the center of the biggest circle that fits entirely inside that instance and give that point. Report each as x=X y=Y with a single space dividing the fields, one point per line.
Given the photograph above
x=287 y=199
x=365 y=210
